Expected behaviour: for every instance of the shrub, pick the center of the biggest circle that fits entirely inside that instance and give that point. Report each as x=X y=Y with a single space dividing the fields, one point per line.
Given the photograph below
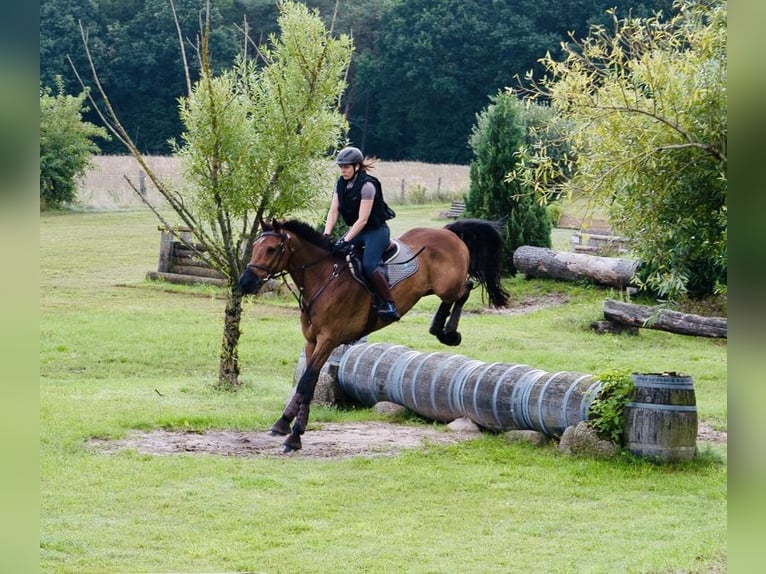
x=500 y=132
x=606 y=411
x=66 y=145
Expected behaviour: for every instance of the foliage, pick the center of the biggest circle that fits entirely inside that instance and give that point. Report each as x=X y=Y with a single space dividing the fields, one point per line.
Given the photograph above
x=606 y=412
x=421 y=73
x=66 y=145
x=135 y=43
x=255 y=139
x=647 y=110
x=499 y=133
x=253 y=148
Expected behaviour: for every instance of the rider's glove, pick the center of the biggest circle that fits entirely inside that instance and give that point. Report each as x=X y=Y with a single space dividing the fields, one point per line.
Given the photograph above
x=340 y=246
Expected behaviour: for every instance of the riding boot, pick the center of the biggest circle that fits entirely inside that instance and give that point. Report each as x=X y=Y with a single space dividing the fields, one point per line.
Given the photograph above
x=386 y=309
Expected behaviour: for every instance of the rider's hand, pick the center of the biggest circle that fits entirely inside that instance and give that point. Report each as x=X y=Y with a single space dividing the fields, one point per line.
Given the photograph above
x=340 y=246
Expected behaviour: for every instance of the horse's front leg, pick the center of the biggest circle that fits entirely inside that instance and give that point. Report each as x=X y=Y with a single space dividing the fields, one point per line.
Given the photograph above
x=282 y=425
x=304 y=393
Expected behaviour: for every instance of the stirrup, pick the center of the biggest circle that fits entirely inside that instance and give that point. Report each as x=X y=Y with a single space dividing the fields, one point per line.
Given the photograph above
x=387 y=312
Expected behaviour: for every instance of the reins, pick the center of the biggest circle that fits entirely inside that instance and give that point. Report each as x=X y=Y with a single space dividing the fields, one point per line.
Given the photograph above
x=271 y=274
x=336 y=271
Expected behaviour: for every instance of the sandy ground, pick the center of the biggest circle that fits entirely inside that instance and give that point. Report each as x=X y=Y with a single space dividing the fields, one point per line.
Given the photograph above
x=329 y=440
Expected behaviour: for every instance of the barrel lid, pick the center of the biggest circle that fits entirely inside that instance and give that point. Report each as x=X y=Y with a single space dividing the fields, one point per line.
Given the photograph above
x=666 y=377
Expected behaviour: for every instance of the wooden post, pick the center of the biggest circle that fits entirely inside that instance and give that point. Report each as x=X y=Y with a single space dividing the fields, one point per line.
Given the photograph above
x=166 y=251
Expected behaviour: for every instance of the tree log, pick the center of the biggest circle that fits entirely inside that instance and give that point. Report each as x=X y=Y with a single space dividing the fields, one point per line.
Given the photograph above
x=181 y=279
x=665 y=320
x=550 y=264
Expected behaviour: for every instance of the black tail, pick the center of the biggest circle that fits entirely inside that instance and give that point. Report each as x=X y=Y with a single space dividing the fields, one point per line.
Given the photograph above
x=485 y=244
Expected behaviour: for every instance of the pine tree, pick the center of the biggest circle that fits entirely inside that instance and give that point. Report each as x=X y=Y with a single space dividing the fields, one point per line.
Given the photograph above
x=498 y=135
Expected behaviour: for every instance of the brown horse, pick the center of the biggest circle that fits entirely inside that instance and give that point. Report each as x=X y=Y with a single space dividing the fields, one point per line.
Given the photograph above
x=336 y=308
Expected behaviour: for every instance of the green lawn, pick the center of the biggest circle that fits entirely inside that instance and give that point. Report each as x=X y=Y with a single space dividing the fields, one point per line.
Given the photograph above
x=118 y=353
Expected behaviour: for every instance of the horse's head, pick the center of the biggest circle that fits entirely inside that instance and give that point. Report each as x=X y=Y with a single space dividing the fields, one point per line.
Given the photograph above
x=269 y=258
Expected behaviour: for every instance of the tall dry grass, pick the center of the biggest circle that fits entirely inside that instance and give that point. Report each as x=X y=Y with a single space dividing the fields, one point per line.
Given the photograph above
x=105 y=187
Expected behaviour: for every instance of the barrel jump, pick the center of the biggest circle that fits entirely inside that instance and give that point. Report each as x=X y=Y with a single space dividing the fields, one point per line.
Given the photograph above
x=660 y=421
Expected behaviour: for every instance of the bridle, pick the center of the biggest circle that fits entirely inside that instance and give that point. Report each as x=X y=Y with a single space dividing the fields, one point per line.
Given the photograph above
x=271 y=269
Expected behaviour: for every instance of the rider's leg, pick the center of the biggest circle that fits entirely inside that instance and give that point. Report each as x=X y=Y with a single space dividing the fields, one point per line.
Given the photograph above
x=375 y=242
x=386 y=309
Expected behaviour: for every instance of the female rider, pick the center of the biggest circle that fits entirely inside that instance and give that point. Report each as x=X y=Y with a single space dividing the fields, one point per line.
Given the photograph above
x=358 y=199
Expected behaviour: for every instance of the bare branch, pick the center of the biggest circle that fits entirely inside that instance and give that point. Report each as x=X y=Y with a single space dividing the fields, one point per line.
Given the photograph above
x=181 y=45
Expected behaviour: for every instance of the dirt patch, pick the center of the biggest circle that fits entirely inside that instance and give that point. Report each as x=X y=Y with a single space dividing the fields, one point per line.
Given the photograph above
x=330 y=440
x=708 y=434
x=526 y=305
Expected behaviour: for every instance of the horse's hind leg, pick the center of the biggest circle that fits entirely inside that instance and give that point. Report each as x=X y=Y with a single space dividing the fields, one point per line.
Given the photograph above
x=440 y=319
x=450 y=335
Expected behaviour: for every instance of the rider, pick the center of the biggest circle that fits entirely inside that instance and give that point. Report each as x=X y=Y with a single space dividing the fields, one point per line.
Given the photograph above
x=358 y=198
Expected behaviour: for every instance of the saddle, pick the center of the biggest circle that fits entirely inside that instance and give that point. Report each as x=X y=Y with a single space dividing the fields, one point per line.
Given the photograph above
x=399 y=262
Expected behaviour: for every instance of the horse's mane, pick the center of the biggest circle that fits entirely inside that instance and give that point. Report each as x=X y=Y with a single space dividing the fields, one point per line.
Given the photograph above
x=306 y=232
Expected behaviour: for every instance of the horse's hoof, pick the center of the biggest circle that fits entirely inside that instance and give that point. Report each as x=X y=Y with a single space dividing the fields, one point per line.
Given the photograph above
x=280 y=428
x=292 y=443
x=288 y=450
x=451 y=339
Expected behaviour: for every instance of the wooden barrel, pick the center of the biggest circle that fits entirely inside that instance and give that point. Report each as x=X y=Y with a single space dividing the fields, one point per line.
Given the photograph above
x=444 y=387
x=661 y=420
x=425 y=383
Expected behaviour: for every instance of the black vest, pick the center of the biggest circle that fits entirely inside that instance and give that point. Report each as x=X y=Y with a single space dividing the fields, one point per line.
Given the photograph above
x=350 y=198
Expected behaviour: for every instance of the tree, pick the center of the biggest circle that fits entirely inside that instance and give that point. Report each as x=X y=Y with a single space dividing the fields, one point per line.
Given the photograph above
x=435 y=65
x=422 y=69
x=66 y=145
x=647 y=113
x=253 y=148
x=499 y=133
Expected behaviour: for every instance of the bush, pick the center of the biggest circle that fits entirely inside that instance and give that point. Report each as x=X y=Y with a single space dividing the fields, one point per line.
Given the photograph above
x=499 y=134
x=66 y=145
x=643 y=103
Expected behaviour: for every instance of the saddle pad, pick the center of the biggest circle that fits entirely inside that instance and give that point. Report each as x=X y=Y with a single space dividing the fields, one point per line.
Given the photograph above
x=403 y=264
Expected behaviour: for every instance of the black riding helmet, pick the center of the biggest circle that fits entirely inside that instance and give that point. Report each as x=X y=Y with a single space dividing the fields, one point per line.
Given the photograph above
x=349 y=156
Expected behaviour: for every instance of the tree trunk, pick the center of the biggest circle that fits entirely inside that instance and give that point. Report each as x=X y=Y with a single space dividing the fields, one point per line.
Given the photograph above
x=228 y=369
x=665 y=320
x=550 y=264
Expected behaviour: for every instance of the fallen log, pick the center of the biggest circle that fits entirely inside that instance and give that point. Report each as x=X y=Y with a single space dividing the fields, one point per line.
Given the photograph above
x=549 y=264
x=183 y=279
x=649 y=317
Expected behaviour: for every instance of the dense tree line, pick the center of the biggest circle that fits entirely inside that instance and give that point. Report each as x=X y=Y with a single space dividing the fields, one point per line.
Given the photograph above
x=421 y=71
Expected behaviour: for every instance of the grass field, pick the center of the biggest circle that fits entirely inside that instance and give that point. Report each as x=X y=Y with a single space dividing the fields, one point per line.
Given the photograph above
x=119 y=354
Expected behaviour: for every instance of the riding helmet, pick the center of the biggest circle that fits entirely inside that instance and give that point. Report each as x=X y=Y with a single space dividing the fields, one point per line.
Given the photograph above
x=349 y=156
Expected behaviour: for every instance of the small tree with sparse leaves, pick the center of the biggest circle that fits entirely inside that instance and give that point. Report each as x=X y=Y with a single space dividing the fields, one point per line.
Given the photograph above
x=254 y=147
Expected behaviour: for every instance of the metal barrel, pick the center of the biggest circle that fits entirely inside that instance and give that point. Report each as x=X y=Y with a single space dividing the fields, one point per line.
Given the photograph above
x=443 y=386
